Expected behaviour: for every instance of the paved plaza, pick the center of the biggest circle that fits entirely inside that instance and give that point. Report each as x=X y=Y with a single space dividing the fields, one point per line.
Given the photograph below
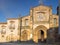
x=23 y=44
x=27 y=43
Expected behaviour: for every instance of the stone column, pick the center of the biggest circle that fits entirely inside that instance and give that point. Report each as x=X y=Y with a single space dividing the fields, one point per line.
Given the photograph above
x=45 y=34
x=35 y=38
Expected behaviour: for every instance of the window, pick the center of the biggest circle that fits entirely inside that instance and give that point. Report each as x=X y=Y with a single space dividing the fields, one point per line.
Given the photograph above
x=11 y=30
x=2 y=35
x=40 y=17
x=26 y=22
x=3 y=31
x=12 y=25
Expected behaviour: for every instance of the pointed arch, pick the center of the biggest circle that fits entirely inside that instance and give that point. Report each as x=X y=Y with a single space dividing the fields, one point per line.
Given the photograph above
x=25 y=35
x=36 y=32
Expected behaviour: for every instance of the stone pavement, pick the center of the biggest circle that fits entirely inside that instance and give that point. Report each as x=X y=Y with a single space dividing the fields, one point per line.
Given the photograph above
x=26 y=43
x=23 y=44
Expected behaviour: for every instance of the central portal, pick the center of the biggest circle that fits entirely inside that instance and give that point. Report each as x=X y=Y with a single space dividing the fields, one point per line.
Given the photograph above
x=40 y=35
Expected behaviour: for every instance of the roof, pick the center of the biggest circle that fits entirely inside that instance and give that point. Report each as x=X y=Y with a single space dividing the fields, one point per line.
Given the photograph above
x=42 y=5
x=25 y=16
x=12 y=18
x=3 y=22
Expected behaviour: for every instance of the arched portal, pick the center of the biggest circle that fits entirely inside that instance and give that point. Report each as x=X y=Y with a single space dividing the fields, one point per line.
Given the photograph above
x=40 y=35
x=10 y=38
x=40 y=32
x=25 y=35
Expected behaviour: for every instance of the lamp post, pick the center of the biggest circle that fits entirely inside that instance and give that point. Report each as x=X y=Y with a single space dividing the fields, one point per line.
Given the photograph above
x=20 y=25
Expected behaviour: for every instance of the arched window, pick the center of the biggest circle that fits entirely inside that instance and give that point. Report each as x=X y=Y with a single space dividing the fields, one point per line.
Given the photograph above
x=26 y=22
x=3 y=30
x=12 y=25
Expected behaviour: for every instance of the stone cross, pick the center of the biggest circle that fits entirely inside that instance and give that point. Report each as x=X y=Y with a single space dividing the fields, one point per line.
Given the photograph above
x=41 y=2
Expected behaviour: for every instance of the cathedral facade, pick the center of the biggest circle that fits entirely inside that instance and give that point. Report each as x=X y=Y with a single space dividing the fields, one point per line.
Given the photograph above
x=32 y=27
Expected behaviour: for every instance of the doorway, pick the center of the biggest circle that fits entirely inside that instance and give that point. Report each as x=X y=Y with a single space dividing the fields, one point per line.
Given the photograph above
x=40 y=35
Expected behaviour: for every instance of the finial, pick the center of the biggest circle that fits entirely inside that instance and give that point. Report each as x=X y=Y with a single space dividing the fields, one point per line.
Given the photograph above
x=41 y=2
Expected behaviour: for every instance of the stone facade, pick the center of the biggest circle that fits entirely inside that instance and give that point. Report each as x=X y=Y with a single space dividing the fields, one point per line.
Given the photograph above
x=34 y=26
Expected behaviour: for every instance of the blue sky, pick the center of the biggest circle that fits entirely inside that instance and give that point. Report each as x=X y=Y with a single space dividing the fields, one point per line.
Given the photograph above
x=13 y=8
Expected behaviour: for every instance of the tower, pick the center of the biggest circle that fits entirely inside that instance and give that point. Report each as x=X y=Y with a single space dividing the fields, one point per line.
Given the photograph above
x=58 y=10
